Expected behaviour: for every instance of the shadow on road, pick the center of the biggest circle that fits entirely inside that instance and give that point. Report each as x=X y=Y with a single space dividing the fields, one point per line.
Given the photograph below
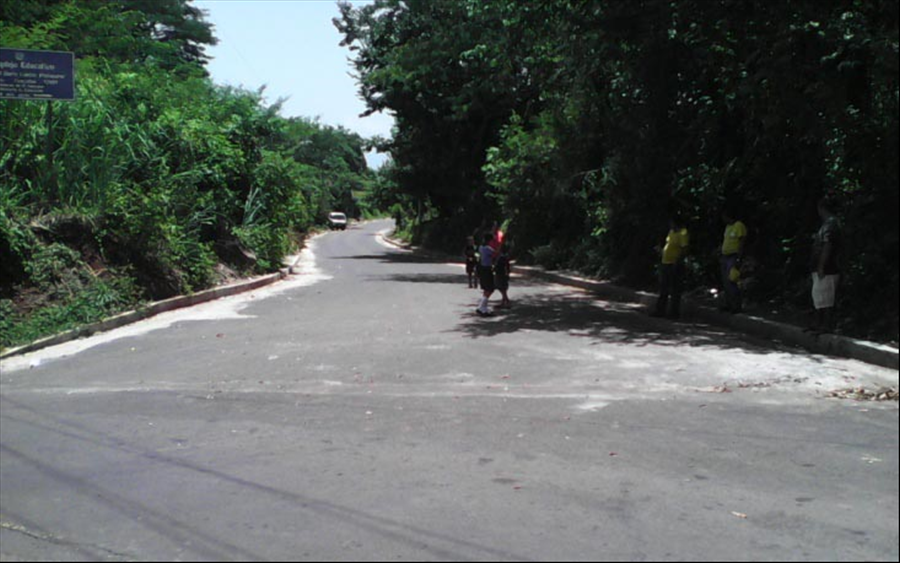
x=578 y=313
x=393 y=257
x=458 y=279
x=584 y=316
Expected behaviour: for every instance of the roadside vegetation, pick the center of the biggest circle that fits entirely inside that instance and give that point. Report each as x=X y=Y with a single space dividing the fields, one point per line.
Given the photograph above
x=582 y=125
x=154 y=181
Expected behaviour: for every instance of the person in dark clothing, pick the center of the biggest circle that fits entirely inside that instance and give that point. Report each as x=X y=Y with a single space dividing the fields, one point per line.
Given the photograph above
x=486 y=274
x=502 y=271
x=471 y=254
x=825 y=266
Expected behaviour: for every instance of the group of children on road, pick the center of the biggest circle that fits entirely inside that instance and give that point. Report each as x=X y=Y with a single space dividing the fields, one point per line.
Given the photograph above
x=488 y=267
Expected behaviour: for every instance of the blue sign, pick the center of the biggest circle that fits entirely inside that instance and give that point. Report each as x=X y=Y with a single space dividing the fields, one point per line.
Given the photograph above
x=36 y=75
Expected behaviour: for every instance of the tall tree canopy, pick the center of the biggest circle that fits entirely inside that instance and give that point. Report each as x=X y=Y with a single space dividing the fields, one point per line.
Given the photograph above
x=166 y=32
x=584 y=124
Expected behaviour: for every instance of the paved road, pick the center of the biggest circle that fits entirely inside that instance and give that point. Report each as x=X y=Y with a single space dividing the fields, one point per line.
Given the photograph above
x=363 y=411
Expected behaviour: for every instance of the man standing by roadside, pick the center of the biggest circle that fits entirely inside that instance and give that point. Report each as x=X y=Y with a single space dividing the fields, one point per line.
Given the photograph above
x=730 y=260
x=671 y=270
x=825 y=266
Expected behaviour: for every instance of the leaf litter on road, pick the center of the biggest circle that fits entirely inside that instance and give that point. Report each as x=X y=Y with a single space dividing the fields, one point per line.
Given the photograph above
x=863 y=394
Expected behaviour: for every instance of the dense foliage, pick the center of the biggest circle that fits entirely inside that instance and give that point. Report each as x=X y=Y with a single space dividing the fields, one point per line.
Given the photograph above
x=153 y=176
x=584 y=124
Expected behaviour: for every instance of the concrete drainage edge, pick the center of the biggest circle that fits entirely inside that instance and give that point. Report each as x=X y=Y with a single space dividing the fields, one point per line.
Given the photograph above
x=150 y=310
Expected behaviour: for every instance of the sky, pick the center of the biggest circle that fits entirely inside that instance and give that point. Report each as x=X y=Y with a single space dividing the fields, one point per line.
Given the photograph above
x=292 y=48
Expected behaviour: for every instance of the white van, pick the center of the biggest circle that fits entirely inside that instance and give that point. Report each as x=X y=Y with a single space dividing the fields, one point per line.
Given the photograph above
x=337 y=220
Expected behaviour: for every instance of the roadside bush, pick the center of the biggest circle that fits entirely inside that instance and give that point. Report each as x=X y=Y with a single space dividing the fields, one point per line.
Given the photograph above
x=16 y=246
x=551 y=256
x=7 y=322
x=75 y=300
x=90 y=304
x=58 y=270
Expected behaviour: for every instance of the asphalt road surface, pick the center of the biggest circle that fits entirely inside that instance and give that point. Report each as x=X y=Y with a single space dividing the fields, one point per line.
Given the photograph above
x=362 y=411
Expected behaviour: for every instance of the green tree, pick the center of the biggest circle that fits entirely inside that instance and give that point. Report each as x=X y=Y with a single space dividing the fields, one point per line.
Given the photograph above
x=584 y=123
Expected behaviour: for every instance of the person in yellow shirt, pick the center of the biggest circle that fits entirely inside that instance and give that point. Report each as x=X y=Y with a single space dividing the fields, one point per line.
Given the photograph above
x=730 y=261
x=671 y=270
